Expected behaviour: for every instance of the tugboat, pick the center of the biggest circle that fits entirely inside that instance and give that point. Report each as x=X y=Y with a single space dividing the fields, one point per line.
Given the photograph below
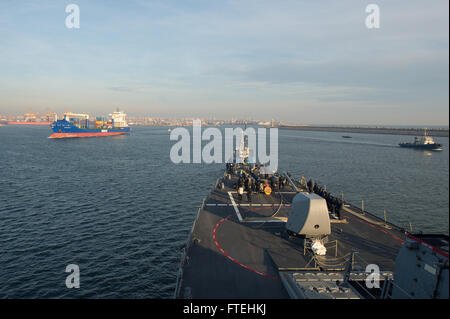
x=425 y=143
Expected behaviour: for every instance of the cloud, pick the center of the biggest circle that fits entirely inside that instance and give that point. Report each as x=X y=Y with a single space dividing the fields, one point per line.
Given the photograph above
x=228 y=56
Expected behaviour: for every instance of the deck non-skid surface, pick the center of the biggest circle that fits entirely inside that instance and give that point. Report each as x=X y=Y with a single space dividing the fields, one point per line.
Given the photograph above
x=230 y=258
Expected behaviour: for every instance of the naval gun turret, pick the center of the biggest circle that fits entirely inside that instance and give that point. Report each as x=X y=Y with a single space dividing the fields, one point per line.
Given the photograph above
x=309 y=216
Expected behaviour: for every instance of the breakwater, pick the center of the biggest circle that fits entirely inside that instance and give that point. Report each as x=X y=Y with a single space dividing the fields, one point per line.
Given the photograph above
x=369 y=130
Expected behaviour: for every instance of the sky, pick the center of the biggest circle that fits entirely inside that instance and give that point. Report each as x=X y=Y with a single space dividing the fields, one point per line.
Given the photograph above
x=311 y=62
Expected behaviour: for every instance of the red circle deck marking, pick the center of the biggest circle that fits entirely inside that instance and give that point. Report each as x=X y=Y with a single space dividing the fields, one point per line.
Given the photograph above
x=231 y=258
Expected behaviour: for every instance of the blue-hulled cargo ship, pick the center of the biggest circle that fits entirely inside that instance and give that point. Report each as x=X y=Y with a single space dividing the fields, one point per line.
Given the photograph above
x=77 y=125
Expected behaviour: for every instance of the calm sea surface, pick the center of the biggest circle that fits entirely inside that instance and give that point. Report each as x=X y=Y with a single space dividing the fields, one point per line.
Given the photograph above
x=120 y=209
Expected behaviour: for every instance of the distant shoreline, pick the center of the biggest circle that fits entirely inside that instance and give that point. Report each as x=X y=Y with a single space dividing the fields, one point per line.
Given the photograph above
x=369 y=130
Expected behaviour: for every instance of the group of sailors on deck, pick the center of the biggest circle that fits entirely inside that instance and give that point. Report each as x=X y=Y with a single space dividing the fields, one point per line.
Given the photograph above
x=334 y=204
x=252 y=181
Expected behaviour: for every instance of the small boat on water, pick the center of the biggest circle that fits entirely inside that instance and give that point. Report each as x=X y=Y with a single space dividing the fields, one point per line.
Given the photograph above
x=346 y=136
x=424 y=142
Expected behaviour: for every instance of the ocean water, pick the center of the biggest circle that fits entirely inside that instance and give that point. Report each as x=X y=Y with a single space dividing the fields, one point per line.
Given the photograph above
x=121 y=210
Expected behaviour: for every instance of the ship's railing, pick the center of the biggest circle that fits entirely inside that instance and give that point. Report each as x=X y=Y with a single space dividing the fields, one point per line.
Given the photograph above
x=331 y=263
x=324 y=262
x=384 y=220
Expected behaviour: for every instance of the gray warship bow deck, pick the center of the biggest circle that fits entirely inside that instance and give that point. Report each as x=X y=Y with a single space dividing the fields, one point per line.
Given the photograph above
x=240 y=249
